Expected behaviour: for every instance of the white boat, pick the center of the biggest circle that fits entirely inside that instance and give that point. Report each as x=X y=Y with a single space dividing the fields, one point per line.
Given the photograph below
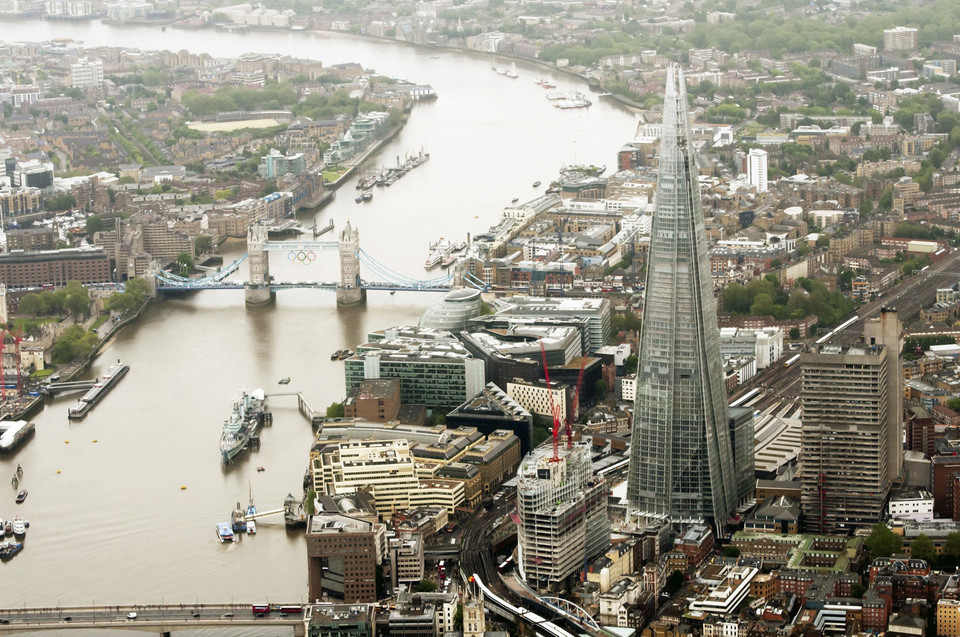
x=19 y=527
x=511 y=75
x=224 y=532
x=500 y=71
x=433 y=259
x=251 y=527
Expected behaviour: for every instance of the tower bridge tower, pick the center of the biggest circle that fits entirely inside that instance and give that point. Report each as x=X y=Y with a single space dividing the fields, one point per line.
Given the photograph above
x=349 y=291
x=258 y=291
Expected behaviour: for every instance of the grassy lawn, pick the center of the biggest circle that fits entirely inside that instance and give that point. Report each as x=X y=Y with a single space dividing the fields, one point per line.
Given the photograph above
x=100 y=321
x=40 y=374
x=27 y=324
x=333 y=174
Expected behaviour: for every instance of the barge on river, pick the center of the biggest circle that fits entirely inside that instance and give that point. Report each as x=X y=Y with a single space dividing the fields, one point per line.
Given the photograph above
x=100 y=389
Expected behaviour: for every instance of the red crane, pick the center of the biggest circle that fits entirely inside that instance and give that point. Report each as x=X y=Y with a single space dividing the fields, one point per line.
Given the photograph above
x=554 y=410
x=575 y=402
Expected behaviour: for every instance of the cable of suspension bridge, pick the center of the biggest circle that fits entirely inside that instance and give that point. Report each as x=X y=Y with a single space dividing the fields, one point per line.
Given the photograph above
x=395 y=277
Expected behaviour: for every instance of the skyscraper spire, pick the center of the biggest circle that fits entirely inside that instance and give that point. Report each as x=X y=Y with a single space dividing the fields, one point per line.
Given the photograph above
x=681 y=457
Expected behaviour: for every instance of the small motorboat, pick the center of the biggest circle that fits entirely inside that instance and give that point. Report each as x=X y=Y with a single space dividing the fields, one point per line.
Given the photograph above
x=515 y=200
x=21 y=496
x=8 y=528
x=536 y=184
x=285 y=381
x=19 y=527
x=260 y=469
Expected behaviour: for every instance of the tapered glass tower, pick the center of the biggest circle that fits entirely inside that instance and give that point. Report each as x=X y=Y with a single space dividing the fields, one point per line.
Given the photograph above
x=681 y=457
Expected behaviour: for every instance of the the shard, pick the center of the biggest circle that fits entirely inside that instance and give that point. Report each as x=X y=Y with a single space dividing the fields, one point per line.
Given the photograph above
x=681 y=457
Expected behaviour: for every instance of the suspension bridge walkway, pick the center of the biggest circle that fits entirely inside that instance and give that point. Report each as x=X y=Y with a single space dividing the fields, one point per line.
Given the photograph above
x=350 y=289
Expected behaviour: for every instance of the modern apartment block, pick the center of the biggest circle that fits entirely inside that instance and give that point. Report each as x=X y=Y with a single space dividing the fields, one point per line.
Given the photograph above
x=682 y=465
x=757 y=169
x=845 y=436
x=563 y=515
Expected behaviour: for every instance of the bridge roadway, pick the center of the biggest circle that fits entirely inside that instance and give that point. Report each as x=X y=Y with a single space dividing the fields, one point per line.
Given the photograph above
x=157 y=618
x=291 y=285
x=907 y=297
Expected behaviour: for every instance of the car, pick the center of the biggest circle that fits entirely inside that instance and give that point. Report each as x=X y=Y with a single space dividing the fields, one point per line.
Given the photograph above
x=67 y=618
x=227 y=615
x=4 y=620
x=196 y=615
x=131 y=615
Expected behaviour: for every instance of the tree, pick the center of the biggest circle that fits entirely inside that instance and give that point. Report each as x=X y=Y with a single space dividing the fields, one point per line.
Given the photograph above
x=77 y=304
x=731 y=551
x=203 y=244
x=94 y=225
x=794 y=333
x=675 y=582
x=630 y=365
x=184 y=262
x=857 y=590
x=600 y=389
x=335 y=410
x=31 y=304
x=426 y=586
x=922 y=549
x=458 y=618
x=882 y=541
x=310 y=506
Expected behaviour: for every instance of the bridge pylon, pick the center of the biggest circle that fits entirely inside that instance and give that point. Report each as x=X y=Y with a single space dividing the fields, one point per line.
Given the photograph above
x=257 y=291
x=349 y=290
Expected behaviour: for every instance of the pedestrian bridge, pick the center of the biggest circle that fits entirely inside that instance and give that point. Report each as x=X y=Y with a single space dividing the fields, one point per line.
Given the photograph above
x=164 y=619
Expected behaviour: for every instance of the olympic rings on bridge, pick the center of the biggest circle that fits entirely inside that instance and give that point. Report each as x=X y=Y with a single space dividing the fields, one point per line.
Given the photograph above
x=301 y=257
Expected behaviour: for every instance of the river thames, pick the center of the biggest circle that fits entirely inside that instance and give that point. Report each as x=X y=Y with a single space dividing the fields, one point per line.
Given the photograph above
x=110 y=522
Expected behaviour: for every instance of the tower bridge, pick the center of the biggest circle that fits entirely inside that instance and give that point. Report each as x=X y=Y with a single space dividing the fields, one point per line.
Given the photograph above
x=351 y=289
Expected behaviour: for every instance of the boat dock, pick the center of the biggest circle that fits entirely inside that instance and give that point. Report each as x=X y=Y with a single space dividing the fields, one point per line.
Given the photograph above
x=13 y=433
x=100 y=389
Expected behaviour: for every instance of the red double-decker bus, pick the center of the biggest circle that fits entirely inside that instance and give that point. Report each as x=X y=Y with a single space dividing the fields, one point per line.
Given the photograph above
x=291 y=608
x=259 y=609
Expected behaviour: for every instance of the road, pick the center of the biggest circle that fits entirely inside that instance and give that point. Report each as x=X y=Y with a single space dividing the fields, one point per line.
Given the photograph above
x=907 y=297
x=14 y=619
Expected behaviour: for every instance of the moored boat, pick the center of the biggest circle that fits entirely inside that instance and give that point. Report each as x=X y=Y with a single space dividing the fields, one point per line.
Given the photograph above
x=242 y=424
x=19 y=527
x=22 y=496
x=536 y=184
x=9 y=549
x=336 y=355
x=224 y=532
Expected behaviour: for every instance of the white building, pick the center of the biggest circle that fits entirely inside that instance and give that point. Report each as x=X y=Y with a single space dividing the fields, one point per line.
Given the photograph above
x=87 y=74
x=757 y=169
x=728 y=594
x=384 y=468
x=764 y=344
x=913 y=504
x=537 y=398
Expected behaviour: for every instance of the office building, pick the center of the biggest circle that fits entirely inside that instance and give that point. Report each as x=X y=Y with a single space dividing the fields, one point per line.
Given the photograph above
x=343 y=553
x=901 y=39
x=383 y=467
x=563 y=515
x=493 y=409
x=844 y=441
x=453 y=311
x=339 y=620
x=86 y=74
x=497 y=459
x=433 y=367
x=682 y=465
x=757 y=169
x=29 y=239
x=596 y=312
x=32 y=174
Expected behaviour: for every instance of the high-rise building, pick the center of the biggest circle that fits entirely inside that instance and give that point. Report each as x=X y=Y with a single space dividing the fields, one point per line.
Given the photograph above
x=887 y=330
x=844 y=436
x=757 y=169
x=901 y=39
x=682 y=464
x=563 y=514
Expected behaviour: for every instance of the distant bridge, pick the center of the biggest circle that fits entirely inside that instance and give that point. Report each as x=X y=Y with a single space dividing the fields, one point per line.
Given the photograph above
x=157 y=618
x=350 y=289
